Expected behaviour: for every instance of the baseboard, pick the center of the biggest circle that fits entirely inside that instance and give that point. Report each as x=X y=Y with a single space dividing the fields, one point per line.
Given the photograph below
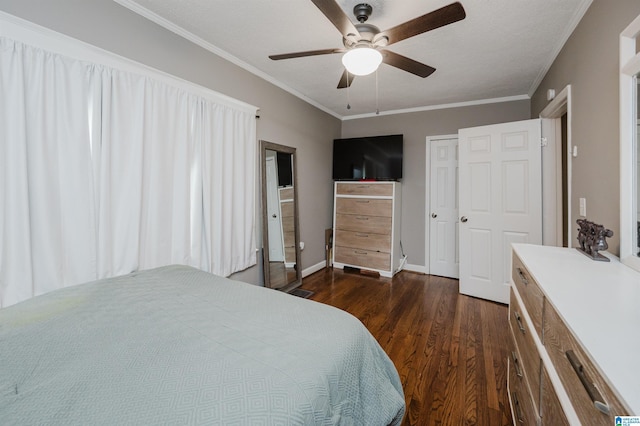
x=321 y=265
x=415 y=268
x=314 y=268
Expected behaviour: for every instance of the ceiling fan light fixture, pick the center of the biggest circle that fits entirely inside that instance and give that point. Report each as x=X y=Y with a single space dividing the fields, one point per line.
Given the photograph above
x=362 y=60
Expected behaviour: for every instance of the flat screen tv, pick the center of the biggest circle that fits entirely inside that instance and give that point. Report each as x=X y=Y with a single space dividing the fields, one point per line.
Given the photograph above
x=368 y=158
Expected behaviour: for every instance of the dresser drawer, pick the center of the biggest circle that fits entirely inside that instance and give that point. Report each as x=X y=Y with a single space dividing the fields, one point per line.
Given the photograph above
x=288 y=224
x=363 y=240
x=364 y=206
x=362 y=258
x=363 y=223
x=522 y=407
x=370 y=189
x=517 y=378
x=286 y=208
x=290 y=254
x=587 y=390
x=530 y=360
x=286 y=193
x=551 y=411
x=530 y=293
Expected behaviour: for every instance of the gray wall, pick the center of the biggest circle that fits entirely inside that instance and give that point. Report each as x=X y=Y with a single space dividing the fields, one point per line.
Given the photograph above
x=589 y=62
x=416 y=127
x=285 y=119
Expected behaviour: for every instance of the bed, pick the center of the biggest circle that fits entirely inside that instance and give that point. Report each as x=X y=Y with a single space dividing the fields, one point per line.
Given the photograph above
x=175 y=345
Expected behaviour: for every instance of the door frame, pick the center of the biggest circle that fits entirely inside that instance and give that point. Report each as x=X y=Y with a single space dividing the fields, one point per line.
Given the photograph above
x=552 y=187
x=427 y=200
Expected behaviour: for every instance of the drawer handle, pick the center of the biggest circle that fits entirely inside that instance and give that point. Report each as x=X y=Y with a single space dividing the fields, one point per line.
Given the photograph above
x=519 y=321
x=516 y=404
x=362 y=235
x=523 y=277
x=362 y=218
x=360 y=252
x=364 y=186
x=589 y=386
x=516 y=364
x=362 y=201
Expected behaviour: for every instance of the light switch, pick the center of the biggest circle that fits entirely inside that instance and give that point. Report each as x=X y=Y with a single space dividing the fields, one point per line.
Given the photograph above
x=583 y=207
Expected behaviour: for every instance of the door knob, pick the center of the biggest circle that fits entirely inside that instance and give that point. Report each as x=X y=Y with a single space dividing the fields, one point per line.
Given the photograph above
x=274 y=216
x=433 y=215
x=463 y=219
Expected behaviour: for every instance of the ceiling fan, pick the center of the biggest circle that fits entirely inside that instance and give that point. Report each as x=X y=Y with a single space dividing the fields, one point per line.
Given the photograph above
x=364 y=44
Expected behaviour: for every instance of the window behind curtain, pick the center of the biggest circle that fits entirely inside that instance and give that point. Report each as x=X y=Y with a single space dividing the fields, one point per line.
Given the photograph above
x=105 y=171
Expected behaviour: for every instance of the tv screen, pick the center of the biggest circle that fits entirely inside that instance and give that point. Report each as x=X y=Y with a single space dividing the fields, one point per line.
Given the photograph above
x=374 y=157
x=285 y=171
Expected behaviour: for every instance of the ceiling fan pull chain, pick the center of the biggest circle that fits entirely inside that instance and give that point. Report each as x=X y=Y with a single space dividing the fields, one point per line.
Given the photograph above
x=377 y=103
x=348 y=99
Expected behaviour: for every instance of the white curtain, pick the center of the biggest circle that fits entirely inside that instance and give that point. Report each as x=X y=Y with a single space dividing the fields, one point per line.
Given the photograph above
x=228 y=167
x=105 y=172
x=148 y=157
x=47 y=232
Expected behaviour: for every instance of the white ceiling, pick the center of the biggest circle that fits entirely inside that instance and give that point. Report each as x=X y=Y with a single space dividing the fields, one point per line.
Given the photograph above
x=501 y=50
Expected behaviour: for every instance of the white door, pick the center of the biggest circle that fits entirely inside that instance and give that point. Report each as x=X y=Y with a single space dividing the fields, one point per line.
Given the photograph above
x=276 y=247
x=500 y=203
x=443 y=216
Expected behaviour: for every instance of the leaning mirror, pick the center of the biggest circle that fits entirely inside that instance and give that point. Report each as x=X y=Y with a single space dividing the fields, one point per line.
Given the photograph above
x=280 y=230
x=629 y=127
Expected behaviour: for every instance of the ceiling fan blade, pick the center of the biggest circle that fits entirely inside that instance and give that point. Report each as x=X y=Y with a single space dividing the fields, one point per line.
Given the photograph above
x=307 y=53
x=336 y=15
x=406 y=64
x=345 y=80
x=438 y=18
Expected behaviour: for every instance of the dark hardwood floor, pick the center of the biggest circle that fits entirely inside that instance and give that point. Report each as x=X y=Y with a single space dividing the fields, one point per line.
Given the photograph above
x=450 y=350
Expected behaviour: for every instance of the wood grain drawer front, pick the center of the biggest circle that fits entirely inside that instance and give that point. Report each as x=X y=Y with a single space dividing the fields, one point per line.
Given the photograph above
x=370 y=189
x=362 y=223
x=363 y=240
x=288 y=224
x=286 y=193
x=588 y=391
x=551 y=411
x=363 y=258
x=522 y=407
x=287 y=208
x=527 y=348
x=530 y=293
x=290 y=253
x=289 y=238
x=364 y=206
x=516 y=377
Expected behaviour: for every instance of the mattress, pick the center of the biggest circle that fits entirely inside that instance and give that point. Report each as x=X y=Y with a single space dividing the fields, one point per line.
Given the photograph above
x=175 y=345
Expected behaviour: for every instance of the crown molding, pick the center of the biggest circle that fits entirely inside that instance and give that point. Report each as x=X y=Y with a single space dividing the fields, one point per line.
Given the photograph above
x=441 y=106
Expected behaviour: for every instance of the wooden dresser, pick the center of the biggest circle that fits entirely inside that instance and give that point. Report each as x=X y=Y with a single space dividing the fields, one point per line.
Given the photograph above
x=575 y=342
x=288 y=224
x=366 y=226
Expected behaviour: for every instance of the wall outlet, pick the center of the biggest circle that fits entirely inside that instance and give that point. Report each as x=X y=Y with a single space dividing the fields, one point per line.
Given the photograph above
x=583 y=207
x=301 y=245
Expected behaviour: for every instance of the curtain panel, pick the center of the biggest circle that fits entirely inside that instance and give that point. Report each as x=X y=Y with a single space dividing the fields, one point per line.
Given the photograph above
x=105 y=172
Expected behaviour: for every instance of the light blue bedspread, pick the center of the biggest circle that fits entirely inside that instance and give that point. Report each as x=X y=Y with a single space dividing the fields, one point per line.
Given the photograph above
x=175 y=345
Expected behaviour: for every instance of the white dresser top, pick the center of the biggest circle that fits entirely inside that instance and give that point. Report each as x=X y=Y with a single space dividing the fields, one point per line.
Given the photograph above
x=600 y=303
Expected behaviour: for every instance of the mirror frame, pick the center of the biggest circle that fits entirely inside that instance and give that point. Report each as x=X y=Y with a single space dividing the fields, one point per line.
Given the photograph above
x=264 y=146
x=629 y=69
